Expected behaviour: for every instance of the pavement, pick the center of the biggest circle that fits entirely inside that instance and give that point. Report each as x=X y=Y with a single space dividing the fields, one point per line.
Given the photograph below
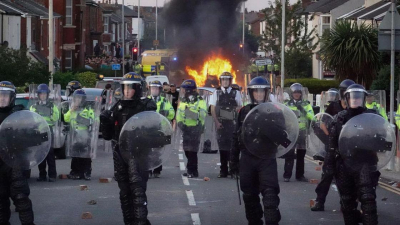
x=176 y=200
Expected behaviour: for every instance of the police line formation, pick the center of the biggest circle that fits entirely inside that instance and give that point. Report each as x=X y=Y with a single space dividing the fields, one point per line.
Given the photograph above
x=143 y=130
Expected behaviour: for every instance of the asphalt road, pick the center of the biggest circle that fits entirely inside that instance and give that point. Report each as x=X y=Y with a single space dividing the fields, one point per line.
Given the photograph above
x=174 y=200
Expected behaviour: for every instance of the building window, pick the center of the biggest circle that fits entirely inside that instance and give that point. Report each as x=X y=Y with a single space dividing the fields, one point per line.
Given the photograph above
x=68 y=12
x=68 y=60
x=326 y=20
x=106 y=21
x=113 y=33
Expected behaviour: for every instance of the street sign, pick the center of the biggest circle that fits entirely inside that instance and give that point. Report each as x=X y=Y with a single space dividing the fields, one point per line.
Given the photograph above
x=116 y=66
x=156 y=42
x=384 y=34
x=261 y=62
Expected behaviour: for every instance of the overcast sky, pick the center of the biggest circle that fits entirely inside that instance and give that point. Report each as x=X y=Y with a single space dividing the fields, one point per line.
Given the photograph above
x=251 y=5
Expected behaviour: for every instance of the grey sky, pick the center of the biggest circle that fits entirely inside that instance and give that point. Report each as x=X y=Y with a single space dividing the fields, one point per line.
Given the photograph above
x=251 y=5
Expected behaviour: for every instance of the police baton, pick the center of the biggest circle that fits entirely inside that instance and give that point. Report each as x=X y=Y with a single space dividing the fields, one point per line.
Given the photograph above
x=238 y=186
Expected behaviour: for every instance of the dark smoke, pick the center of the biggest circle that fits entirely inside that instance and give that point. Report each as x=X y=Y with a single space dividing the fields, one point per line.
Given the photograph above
x=200 y=27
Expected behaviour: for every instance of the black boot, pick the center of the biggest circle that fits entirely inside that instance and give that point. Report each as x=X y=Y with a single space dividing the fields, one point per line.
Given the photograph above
x=318 y=206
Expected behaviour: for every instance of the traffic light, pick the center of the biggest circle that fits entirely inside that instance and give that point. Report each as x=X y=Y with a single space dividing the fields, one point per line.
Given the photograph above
x=135 y=54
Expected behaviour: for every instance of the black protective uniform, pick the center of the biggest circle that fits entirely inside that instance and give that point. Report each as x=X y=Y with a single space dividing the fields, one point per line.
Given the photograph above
x=227 y=102
x=14 y=185
x=352 y=185
x=131 y=180
x=256 y=176
x=326 y=179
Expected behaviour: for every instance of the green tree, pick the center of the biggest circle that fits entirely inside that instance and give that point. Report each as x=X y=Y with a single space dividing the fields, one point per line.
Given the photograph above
x=17 y=67
x=302 y=41
x=352 y=51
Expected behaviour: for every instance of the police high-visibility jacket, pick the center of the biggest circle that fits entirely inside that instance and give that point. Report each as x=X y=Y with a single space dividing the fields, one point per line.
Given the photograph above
x=378 y=108
x=82 y=120
x=164 y=107
x=397 y=117
x=49 y=112
x=192 y=113
x=303 y=118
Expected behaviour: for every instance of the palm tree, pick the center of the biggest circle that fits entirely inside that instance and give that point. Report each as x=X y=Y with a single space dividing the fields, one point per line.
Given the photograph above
x=352 y=51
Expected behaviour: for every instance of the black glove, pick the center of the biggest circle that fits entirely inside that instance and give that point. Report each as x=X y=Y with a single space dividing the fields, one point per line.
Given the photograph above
x=234 y=168
x=105 y=116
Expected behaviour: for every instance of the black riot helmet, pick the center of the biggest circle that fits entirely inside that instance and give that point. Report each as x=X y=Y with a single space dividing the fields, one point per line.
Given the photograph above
x=332 y=95
x=132 y=81
x=7 y=94
x=355 y=96
x=257 y=86
x=226 y=75
x=343 y=87
x=296 y=88
x=71 y=87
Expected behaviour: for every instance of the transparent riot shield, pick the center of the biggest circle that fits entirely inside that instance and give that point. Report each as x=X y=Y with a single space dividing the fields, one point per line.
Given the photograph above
x=146 y=137
x=84 y=127
x=208 y=141
x=48 y=105
x=270 y=130
x=25 y=140
x=376 y=100
x=317 y=140
x=304 y=94
x=367 y=140
x=326 y=98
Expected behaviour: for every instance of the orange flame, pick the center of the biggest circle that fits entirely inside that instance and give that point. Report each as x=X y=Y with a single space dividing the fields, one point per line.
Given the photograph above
x=214 y=66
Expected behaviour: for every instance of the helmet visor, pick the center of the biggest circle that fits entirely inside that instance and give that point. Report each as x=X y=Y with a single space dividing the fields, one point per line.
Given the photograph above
x=259 y=95
x=155 y=91
x=332 y=96
x=5 y=97
x=130 y=90
x=356 y=99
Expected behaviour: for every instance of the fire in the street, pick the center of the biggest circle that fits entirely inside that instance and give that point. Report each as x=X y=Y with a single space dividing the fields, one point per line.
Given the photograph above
x=212 y=68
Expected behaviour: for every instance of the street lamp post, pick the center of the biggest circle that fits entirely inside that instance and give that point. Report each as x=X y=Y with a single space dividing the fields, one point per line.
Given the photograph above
x=123 y=37
x=283 y=44
x=51 y=43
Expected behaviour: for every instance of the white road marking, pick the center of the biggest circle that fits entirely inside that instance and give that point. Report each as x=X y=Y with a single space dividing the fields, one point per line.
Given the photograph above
x=182 y=166
x=196 y=219
x=190 y=197
x=180 y=156
x=185 y=181
x=218 y=164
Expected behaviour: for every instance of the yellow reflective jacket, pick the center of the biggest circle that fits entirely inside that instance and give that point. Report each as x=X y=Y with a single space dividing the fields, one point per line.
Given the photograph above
x=192 y=113
x=82 y=120
x=165 y=108
x=51 y=117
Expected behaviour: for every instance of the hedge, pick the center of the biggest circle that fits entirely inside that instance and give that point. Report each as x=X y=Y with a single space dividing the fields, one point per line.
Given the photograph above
x=315 y=86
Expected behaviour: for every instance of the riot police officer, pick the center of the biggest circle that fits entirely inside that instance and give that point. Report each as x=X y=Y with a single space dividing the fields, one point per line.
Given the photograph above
x=225 y=102
x=372 y=104
x=257 y=175
x=72 y=86
x=83 y=117
x=13 y=184
x=49 y=111
x=304 y=112
x=164 y=107
x=324 y=185
x=353 y=185
x=132 y=181
x=190 y=117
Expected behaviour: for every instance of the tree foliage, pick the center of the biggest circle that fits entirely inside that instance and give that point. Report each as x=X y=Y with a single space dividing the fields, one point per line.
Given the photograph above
x=17 y=67
x=352 y=51
x=302 y=40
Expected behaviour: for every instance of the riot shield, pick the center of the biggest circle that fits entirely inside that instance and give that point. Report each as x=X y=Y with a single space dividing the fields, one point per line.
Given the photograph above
x=326 y=98
x=84 y=127
x=270 y=130
x=208 y=140
x=25 y=140
x=146 y=137
x=304 y=95
x=50 y=109
x=376 y=100
x=318 y=137
x=367 y=140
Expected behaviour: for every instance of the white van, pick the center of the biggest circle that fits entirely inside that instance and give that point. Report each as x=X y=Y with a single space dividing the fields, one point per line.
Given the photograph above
x=161 y=78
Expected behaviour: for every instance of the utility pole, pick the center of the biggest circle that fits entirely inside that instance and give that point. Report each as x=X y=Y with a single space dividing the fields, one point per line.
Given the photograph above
x=244 y=22
x=123 y=37
x=156 y=22
x=51 y=43
x=390 y=166
x=283 y=44
x=138 y=36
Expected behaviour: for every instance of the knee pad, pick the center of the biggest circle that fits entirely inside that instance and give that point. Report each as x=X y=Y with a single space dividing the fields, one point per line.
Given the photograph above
x=139 y=196
x=368 y=203
x=270 y=198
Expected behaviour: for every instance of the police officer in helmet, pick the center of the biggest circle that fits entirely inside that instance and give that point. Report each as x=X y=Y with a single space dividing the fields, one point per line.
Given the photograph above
x=324 y=185
x=257 y=175
x=13 y=184
x=353 y=185
x=49 y=111
x=71 y=87
x=132 y=181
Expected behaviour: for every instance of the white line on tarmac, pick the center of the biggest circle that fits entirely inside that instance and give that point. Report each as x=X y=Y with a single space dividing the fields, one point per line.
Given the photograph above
x=180 y=156
x=196 y=219
x=190 y=197
x=185 y=181
x=182 y=166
